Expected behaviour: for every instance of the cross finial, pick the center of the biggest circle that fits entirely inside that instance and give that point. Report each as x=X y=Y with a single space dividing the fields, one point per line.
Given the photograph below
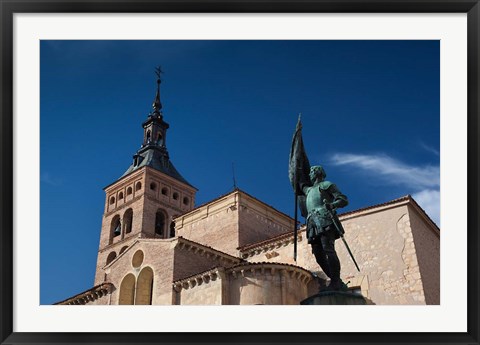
x=158 y=72
x=157 y=105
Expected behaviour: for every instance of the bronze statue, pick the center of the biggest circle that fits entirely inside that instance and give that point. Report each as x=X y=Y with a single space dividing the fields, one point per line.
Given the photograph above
x=318 y=200
x=322 y=199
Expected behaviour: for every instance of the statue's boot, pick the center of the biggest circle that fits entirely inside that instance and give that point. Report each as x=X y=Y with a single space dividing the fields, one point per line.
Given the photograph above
x=336 y=284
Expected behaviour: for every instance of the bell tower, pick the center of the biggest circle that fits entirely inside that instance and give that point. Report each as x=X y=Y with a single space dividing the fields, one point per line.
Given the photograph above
x=146 y=198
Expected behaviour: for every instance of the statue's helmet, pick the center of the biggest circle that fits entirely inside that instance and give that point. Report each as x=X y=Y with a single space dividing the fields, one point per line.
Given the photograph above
x=317 y=170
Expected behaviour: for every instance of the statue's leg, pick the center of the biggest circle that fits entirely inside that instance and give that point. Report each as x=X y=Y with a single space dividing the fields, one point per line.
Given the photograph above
x=321 y=257
x=328 y=245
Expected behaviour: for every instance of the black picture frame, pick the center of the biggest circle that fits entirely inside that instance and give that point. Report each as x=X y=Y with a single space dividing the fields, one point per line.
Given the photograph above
x=10 y=7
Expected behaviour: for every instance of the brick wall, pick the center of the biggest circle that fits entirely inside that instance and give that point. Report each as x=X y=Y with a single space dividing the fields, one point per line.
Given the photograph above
x=215 y=225
x=232 y=221
x=158 y=255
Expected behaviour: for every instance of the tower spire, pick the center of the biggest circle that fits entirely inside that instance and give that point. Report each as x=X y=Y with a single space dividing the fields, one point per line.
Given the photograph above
x=157 y=105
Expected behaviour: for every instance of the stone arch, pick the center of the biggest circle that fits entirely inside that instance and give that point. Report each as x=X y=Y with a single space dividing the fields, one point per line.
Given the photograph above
x=127 y=221
x=127 y=290
x=143 y=295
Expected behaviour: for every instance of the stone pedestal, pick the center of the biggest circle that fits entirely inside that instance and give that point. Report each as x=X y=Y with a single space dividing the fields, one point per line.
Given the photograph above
x=334 y=298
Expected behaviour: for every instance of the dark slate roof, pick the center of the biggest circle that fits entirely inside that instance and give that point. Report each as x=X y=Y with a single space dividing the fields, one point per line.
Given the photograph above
x=158 y=160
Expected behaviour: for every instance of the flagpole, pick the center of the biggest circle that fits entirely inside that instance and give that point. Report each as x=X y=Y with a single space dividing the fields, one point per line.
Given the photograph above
x=298 y=168
x=295 y=230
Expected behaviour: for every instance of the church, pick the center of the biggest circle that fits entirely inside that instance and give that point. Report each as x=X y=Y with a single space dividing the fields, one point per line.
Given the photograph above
x=158 y=248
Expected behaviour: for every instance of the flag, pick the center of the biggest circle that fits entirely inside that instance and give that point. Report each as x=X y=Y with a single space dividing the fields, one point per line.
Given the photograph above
x=299 y=166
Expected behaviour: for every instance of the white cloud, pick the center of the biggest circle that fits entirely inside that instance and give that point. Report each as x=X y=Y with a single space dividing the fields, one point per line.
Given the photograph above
x=423 y=182
x=391 y=170
x=429 y=200
x=430 y=149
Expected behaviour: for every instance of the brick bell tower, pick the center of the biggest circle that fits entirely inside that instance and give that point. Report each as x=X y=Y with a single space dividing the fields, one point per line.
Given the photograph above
x=146 y=198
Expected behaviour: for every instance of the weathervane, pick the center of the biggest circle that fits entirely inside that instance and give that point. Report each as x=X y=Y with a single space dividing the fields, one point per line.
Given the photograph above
x=158 y=72
x=157 y=105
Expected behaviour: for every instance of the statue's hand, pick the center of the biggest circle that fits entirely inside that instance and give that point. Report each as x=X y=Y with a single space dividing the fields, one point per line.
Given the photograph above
x=329 y=206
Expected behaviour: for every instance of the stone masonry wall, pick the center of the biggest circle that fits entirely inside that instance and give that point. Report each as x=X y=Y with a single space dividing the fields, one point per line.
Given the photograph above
x=206 y=291
x=248 y=284
x=190 y=260
x=270 y=286
x=258 y=222
x=427 y=248
x=382 y=244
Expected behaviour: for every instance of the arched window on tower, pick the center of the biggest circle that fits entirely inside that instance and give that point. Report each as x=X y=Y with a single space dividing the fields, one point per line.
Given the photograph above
x=172 y=229
x=127 y=221
x=115 y=227
x=160 y=223
x=160 y=139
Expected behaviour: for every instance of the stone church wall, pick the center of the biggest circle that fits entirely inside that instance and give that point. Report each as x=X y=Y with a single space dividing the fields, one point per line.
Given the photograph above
x=190 y=259
x=267 y=284
x=207 y=289
x=382 y=243
x=427 y=250
x=245 y=284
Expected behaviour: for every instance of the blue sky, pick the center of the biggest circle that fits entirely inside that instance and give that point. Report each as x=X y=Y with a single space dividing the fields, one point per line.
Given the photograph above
x=370 y=113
